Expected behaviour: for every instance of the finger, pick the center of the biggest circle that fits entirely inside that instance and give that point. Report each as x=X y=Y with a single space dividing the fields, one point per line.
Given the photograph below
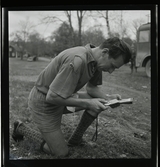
x=107 y=107
x=119 y=97
x=102 y=100
x=102 y=106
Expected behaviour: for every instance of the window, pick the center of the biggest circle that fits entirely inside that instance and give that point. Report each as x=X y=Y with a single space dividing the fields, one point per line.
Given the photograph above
x=144 y=36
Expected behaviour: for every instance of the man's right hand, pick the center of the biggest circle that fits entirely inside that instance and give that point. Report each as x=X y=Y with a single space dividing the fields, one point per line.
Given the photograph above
x=97 y=105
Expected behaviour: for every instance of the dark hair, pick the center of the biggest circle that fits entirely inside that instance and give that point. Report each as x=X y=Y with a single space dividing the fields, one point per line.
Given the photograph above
x=117 y=47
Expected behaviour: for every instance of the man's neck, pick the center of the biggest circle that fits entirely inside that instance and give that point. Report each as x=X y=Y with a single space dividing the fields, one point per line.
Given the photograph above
x=96 y=53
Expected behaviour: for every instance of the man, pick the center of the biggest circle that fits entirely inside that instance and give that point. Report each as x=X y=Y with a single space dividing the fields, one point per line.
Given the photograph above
x=58 y=85
x=133 y=58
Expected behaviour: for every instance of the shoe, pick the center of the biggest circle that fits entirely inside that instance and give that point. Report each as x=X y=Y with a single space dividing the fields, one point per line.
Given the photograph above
x=15 y=135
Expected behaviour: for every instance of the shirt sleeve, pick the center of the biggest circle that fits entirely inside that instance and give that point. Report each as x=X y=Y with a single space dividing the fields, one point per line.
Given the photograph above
x=97 y=78
x=65 y=83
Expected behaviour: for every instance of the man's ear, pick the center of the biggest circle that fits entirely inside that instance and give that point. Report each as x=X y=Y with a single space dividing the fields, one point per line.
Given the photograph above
x=105 y=50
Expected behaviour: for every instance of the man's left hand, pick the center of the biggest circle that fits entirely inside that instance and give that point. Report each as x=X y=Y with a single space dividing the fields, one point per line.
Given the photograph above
x=115 y=96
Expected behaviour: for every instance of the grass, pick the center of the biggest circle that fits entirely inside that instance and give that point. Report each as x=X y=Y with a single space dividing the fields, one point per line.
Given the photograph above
x=124 y=132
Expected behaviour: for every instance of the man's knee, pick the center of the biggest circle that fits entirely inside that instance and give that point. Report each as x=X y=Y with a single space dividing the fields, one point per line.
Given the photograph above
x=56 y=143
x=64 y=152
x=61 y=152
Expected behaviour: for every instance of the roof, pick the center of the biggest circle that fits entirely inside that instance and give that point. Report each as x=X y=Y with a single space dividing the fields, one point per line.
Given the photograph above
x=16 y=48
x=145 y=27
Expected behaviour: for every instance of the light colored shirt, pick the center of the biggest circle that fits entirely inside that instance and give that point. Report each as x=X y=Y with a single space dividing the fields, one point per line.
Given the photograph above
x=69 y=72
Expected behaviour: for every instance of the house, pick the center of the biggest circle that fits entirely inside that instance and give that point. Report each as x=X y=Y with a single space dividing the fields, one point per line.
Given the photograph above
x=14 y=51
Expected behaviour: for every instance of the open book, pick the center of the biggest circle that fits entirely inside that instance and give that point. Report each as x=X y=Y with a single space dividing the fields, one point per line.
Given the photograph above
x=114 y=103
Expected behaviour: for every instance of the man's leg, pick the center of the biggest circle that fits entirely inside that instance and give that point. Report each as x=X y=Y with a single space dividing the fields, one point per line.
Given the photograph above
x=47 y=118
x=55 y=143
x=86 y=120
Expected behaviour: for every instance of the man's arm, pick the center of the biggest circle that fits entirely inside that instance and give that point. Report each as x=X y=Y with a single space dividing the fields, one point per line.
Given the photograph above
x=92 y=104
x=70 y=101
x=97 y=92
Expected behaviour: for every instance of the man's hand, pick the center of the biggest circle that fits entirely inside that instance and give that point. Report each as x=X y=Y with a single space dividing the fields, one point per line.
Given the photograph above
x=97 y=105
x=114 y=96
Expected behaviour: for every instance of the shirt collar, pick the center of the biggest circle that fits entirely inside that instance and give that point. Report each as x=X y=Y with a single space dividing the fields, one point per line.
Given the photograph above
x=90 y=57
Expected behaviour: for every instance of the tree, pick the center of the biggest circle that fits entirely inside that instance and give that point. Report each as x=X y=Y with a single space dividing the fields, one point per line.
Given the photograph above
x=136 y=24
x=62 y=38
x=25 y=28
x=34 y=40
x=114 y=22
x=71 y=29
x=94 y=36
x=21 y=36
x=80 y=15
x=105 y=15
x=69 y=15
x=120 y=25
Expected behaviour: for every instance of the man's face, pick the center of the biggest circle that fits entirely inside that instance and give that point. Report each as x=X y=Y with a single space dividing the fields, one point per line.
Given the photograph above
x=107 y=64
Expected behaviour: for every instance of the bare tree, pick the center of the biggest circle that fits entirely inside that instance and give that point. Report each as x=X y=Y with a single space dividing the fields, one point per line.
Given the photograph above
x=25 y=28
x=21 y=36
x=69 y=15
x=105 y=15
x=80 y=15
x=114 y=22
x=136 y=24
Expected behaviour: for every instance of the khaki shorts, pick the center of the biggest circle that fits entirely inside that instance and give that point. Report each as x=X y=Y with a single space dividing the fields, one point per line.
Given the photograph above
x=46 y=115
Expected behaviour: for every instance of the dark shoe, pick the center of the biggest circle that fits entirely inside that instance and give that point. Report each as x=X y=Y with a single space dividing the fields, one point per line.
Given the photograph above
x=15 y=135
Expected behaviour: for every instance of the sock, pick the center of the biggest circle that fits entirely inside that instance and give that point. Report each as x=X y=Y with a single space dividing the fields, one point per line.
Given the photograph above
x=21 y=130
x=85 y=122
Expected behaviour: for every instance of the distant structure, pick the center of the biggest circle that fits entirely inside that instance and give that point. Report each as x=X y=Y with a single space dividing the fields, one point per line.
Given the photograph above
x=14 y=51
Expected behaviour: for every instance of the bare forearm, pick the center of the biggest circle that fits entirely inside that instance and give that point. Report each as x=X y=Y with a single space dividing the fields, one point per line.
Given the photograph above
x=71 y=101
x=95 y=92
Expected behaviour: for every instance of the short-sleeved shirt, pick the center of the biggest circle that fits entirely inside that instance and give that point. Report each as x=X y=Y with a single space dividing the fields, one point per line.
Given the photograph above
x=69 y=71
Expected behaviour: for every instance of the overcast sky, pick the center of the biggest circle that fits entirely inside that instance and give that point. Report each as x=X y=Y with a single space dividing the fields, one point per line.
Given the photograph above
x=34 y=16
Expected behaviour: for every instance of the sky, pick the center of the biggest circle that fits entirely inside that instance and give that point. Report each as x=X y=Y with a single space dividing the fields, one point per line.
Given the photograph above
x=45 y=30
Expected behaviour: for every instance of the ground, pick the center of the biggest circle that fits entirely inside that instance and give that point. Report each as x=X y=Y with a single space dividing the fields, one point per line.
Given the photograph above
x=123 y=132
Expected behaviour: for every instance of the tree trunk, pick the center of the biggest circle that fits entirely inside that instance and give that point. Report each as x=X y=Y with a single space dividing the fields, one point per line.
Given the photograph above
x=80 y=17
x=68 y=14
x=107 y=24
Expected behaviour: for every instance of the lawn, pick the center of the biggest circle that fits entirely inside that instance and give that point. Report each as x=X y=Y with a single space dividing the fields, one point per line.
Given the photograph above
x=123 y=132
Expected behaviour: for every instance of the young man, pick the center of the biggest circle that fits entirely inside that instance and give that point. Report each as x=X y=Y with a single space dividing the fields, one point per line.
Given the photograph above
x=58 y=85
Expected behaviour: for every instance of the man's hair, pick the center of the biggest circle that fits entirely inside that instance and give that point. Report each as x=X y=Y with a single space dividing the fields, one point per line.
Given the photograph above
x=117 y=47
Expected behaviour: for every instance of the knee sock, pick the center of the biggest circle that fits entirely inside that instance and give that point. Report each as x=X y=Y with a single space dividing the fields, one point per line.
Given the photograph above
x=21 y=130
x=85 y=122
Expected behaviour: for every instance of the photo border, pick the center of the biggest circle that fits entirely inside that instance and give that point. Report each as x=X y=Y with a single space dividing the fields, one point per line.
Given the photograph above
x=5 y=91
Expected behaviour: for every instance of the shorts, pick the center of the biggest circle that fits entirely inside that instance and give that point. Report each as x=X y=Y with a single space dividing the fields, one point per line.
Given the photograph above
x=46 y=116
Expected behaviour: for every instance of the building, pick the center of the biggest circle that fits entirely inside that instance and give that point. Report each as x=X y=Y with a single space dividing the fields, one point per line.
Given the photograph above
x=14 y=51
